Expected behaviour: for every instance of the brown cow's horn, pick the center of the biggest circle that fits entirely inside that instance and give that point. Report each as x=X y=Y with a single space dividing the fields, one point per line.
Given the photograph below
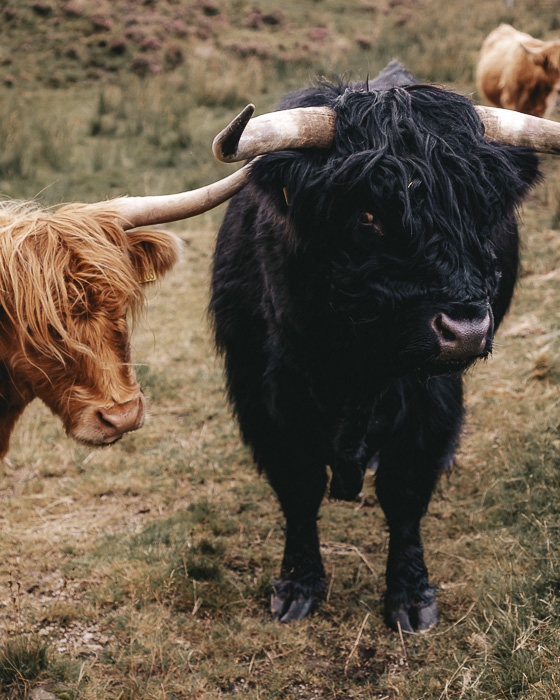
x=516 y=129
x=147 y=211
x=303 y=127
x=529 y=50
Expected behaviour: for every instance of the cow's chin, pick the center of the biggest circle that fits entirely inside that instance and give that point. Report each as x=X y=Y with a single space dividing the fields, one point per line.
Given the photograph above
x=90 y=438
x=441 y=368
x=94 y=441
x=428 y=364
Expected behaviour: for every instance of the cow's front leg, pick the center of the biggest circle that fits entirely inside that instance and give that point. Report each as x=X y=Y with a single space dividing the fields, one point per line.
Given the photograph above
x=421 y=446
x=410 y=599
x=300 y=488
x=12 y=403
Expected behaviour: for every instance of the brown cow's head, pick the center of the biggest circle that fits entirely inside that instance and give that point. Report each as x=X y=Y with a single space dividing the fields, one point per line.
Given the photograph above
x=68 y=282
x=547 y=57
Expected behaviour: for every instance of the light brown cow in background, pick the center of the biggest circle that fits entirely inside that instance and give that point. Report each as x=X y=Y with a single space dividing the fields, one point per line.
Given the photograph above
x=517 y=71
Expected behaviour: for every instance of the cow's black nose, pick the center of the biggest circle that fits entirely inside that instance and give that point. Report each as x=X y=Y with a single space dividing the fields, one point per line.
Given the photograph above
x=461 y=339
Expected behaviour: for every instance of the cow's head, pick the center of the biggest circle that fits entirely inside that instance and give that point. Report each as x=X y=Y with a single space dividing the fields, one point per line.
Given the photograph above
x=410 y=204
x=546 y=57
x=70 y=281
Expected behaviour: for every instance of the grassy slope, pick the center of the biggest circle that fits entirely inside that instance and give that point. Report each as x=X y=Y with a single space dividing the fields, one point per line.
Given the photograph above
x=145 y=568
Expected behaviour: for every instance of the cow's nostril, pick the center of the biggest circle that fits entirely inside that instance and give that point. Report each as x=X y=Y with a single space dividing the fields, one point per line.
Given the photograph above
x=120 y=418
x=461 y=339
x=442 y=329
x=103 y=419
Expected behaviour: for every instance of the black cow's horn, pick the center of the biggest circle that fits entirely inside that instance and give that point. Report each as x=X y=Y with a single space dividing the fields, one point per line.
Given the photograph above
x=303 y=127
x=516 y=129
x=313 y=127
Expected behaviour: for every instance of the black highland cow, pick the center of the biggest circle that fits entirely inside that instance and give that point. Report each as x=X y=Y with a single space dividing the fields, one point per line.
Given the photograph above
x=351 y=289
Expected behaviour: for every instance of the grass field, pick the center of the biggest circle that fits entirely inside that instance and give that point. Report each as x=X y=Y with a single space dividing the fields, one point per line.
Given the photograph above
x=143 y=571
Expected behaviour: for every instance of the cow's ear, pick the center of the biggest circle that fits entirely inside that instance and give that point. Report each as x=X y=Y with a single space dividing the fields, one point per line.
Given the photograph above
x=153 y=253
x=528 y=170
x=286 y=174
x=540 y=59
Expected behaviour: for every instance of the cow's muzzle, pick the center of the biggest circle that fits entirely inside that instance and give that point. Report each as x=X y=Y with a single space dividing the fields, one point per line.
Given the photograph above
x=463 y=339
x=104 y=425
x=119 y=419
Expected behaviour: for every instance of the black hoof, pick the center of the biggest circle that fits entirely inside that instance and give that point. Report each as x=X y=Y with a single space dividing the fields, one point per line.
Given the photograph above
x=399 y=620
x=292 y=601
x=415 y=617
x=426 y=616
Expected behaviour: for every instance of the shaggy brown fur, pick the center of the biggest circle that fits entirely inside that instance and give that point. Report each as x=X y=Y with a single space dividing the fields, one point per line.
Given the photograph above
x=68 y=279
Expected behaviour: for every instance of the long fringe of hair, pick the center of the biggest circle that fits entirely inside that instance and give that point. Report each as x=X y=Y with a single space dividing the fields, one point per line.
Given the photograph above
x=55 y=265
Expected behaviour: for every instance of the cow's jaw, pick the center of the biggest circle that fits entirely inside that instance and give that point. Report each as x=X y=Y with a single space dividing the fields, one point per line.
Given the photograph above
x=98 y=413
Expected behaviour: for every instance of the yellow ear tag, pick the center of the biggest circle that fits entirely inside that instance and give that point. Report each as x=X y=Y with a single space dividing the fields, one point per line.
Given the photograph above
x=285 y=191
x=150 y=276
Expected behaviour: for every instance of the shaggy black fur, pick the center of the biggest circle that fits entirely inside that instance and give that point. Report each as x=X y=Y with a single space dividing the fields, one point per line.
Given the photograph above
x=331 y=270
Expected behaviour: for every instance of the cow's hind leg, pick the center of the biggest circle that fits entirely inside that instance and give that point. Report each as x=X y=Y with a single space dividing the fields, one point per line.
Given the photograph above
x=421 y=446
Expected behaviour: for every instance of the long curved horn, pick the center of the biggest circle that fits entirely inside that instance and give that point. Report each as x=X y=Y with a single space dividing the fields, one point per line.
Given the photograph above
x=516 y=129
x=147 y=211
x=303 y=127
x=313 y=127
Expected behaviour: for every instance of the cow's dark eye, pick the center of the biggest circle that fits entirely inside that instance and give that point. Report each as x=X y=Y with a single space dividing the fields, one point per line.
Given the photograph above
x=368 y=219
